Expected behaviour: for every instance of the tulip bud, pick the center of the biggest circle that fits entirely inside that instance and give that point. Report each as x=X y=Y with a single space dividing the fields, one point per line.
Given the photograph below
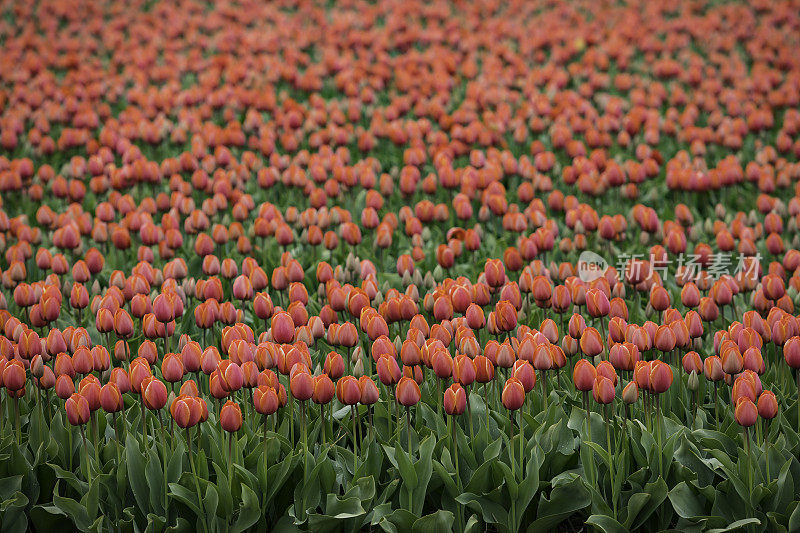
x=455 y=399
x=693 y=382
x=746 y=412
x=408 y=392
x=77 y=408
x=513 y=395
x=630 y=394
x=230 y=417
x=767 y=405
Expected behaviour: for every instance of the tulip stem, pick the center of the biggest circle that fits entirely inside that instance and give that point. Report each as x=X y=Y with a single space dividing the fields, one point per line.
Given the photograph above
x=69 y=450
x=521 y=445
x=324 y=426
x=797 y=374
x=544 y=388
x=513 y=472
x=95 y=436
x=230 y=464
x=408 y=428
x=305 y=442
x=17 y=420
x=749 y=460
x=454 y=441
x=86 y=455
x=194 y=475
x=164 y=455
x=766 y=449
x=659 y=421
x=469 y=415
x=355 y=440
x=291 y=419
x=144 y=425
x=116 y=436
x=611 y=461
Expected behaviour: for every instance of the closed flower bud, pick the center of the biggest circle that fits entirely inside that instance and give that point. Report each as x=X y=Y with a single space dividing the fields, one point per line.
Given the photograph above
x=660 y=377
x=746 y=412
x=630 y=394
x=513 y=395
x=455 y=400
x=77 y=408
x=110 y=398
x=369 y=391
x=265 y=400
x=301 y=384
x=767 y=405
x=603 y=390
x=347 y=390
x=230 y=417
x=584 y=374
x=154 y=393
x=408 y=392
x=323 y=389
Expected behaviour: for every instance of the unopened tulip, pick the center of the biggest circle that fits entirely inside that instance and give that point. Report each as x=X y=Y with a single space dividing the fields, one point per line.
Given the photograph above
x=455 y=399
x=408 y=392
x=746 y=412
x=230 y=417
x=513 y=395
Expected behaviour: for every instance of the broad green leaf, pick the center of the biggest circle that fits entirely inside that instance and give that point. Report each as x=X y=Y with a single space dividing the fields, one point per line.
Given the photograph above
x=249 y=511
x=135 y=462
x=735 y=526
x=438 y=522
x=685 y=502
x=605 y=523
x=565 y=500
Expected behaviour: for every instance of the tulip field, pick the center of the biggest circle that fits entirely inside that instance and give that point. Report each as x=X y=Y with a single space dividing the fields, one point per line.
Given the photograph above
x=399 y=266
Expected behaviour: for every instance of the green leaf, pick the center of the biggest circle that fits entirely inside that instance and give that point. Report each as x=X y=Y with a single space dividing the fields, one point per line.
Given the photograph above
x=656 y=493
x=685 y=502
x=399 y=458
x=447 y=478
x=438 y=522
x=423 y=468
x=599 y=450
x=794 y=519
x=739 y=524
x=91 y=500
x=211 y=501
x=249 y=511
x=398 y=521
x=565 y=500
x=155 y=480
x=175 y=464
x=49 y=518
x=74 y=510
x=185 y=496
x=9 y=485
x=491 y=512
x=136 y=473
x=605 y=523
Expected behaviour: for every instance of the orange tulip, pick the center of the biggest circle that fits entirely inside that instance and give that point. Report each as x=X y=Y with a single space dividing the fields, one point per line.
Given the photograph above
x=455 y=400
x=408 y=392
x=513 y=395
x=230 y=417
